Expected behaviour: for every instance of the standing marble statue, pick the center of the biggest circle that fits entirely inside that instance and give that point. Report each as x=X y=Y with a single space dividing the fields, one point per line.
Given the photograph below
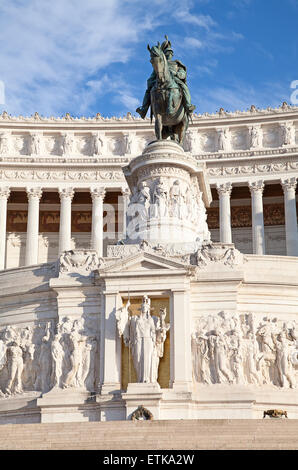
x=288 y=134
x=128 y=143
x=283 y=359
x=75 y=355
x=4 y=143
x=160 y=199
x=35 y=144
x=145 y=335
x=15 y=368
x=98 y=144
x=224 y=140
x=219 y=352
x=67 y=144
x=45 y=360
x=256 y=137
x=57 y=360
x=176 y=200
x=143 y=201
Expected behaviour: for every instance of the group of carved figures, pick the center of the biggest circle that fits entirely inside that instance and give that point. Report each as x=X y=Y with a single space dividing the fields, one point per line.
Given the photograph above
x=241 y=350
x=42 y=357
x=167 y=198
x=255 y=135
x=145 y=335
x=130 y=143
x=66 y=144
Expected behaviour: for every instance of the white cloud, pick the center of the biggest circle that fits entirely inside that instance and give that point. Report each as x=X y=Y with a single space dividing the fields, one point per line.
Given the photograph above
x=123 y=93
x=129 y=101
x=51 y=48
x=204 y=21
x=56 y=56
x=240 y=95
x=207 y=68
x=193 y=42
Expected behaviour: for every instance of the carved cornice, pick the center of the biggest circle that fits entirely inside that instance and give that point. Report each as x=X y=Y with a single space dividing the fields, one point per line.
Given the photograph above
x=60 y=175
x=246 y=154
x=256 y=168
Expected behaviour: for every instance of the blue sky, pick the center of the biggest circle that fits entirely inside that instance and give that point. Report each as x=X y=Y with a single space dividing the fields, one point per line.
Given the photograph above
x=91 y=56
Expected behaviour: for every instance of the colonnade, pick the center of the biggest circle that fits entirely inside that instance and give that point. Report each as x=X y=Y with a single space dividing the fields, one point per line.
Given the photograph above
x=224 y=190
x=66 y=195
x=256 y=188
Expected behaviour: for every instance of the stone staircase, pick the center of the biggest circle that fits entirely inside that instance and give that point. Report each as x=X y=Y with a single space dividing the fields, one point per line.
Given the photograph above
x=267 y=434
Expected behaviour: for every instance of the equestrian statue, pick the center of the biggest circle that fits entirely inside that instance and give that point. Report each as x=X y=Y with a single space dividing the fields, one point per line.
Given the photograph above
x=168 y=94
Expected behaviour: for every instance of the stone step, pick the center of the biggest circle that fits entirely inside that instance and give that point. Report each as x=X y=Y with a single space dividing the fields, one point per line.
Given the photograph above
x=155 y=435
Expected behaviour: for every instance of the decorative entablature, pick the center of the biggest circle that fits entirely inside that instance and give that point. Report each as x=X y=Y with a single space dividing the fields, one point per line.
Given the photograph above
x=234 y=145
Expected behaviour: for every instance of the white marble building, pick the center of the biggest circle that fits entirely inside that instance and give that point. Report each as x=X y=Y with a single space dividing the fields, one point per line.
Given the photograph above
x=231 y=305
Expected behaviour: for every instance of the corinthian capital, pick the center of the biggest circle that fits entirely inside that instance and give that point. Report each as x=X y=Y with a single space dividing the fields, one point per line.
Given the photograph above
x=256 y=186
x=97 y=192
x=34 y=192
x=4 y=192
x=66 y=193
x=224 y=188
x=289 y=184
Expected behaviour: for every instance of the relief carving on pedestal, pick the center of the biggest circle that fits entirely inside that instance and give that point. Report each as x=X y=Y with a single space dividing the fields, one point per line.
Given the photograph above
x=167 y=195
x=46 y=355
x=239 y=349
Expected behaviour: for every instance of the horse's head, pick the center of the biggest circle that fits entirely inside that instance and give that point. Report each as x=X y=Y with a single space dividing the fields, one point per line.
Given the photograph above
x=159 y=62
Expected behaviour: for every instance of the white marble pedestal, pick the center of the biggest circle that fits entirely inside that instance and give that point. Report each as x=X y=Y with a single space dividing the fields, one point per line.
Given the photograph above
x=64 y=405
x=170 y=193
x=147 y=394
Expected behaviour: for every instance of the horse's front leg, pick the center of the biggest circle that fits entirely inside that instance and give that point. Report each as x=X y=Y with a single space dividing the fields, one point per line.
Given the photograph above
x=158 y=126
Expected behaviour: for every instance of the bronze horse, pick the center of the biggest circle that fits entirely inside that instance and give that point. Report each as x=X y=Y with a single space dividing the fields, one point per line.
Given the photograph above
x=166 y=94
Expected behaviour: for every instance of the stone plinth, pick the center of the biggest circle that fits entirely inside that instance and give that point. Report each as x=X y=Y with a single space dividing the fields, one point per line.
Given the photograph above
x=148 y=395
x=67 y=405
x=170 y=193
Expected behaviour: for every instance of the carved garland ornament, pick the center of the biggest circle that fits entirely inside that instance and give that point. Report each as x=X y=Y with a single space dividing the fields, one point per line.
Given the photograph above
x=79 y=260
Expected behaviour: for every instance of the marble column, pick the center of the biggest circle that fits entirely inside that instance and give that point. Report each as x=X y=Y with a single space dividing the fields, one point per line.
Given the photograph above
x=110 y=344
x=180 y=341
x=4 y=195
x=97 y=194
x=125 y=201
x=224 y=193
x=66 y=196
x=258 y=233
x=289 y=189
x=31 y=256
